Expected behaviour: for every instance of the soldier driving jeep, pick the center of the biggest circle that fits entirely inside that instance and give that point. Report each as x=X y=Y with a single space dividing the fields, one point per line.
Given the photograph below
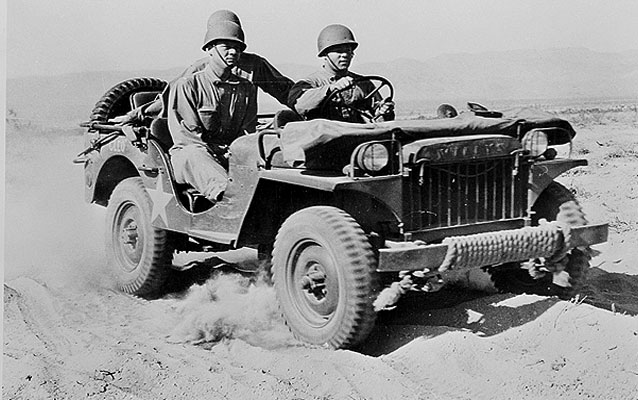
x=334 y=90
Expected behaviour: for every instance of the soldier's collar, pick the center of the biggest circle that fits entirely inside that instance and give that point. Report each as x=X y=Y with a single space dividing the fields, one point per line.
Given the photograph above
x=336 y=73
x=219 y=74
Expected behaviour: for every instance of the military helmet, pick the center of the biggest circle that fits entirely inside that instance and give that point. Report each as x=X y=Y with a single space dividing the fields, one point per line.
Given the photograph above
x=223 y=15
x=446 y=111
x=224 y=30
x=334 y=35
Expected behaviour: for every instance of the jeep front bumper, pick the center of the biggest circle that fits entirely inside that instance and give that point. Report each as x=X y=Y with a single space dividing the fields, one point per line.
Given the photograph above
x=473 y=251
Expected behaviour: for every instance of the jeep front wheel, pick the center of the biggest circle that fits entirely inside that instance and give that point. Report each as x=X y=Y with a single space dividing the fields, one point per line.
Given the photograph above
x=555 y=203
x=137 y=253
x=324 y=277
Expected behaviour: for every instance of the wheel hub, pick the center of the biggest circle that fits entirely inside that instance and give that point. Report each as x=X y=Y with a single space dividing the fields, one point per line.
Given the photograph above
x=313 y=278
x=314 y=282
x=129 y=234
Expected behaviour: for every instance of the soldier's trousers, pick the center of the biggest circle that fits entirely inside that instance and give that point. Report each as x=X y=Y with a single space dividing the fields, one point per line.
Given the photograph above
x=196 y=166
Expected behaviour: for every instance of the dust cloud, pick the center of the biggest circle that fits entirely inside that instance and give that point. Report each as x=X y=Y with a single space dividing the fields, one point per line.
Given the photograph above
x=229 y=306
x=56 y=239
x=51 y=234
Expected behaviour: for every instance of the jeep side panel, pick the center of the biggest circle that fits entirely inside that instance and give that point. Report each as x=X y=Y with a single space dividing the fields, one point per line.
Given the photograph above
x=374 y=202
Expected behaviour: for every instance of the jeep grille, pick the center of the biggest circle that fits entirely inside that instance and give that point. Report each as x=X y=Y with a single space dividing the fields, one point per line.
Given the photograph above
x=457 y=194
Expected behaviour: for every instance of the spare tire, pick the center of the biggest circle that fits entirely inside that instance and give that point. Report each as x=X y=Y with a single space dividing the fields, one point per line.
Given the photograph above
x=116 y=101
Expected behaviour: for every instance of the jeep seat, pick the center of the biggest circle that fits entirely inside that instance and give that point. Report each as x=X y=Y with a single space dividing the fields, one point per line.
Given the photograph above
x=160 y=132
x=140 y=98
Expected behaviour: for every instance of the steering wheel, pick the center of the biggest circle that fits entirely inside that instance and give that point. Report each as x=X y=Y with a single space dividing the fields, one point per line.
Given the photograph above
x=336 y=100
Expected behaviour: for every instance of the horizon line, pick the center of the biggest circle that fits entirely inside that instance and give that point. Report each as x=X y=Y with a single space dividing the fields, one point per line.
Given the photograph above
x=9 y=76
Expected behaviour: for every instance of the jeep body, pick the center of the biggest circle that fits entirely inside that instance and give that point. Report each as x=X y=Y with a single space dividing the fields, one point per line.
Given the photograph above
x=355 y=215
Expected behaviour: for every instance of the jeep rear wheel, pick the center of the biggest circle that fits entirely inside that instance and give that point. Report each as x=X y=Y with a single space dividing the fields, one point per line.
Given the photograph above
x=324 y=276
x=556 y=203
x=137 y=253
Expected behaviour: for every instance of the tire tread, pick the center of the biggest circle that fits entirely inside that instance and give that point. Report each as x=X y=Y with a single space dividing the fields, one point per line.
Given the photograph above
x=156 y=263
x=359 y=316
x=105 y=107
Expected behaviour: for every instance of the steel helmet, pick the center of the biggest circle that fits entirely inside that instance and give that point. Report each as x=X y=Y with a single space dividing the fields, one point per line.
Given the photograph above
x=334 y=35
x=446 y=111
x=223 y=15
x=224 y=30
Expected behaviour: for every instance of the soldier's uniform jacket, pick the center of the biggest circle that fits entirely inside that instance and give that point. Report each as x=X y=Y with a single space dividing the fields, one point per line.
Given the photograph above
x=251 y=67
x=307 y=97
x=206 y=110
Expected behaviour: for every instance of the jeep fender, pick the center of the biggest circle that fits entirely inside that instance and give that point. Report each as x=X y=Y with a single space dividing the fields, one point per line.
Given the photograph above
x=105 y=168
x=280 y=193
x=544 y=172
x=115 y=162
x=111 y=172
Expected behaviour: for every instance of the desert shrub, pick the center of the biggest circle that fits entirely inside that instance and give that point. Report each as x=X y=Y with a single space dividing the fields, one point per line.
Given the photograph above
x=13 y=120
x=582 y=151
x=600 y=115
x=579 y=192
x=621 y=152
x=621 y=225
x=25 y=126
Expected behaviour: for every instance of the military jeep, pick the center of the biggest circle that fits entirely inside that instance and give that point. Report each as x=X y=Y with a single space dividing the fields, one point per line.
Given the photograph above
x=349 y=216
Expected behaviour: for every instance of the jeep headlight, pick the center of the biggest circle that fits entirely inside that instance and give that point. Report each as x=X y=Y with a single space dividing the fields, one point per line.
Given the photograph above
x=373 y=157
x=535 y=142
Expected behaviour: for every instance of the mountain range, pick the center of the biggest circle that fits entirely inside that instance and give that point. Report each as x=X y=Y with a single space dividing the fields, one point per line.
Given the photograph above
x=569 y=73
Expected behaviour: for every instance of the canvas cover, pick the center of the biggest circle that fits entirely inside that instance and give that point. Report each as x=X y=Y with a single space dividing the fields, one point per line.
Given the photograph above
x=297 y=137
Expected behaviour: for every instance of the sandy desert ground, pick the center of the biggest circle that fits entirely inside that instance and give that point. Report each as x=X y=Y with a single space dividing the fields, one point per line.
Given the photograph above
x=69 y=335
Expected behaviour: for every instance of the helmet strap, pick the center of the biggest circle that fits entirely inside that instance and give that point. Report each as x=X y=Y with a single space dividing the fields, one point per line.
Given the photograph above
x=220 y=56
x=333 y=66
x=219 y=65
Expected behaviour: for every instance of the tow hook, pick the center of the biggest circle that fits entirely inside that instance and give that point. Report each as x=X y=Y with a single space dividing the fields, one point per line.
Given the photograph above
x=416 y=281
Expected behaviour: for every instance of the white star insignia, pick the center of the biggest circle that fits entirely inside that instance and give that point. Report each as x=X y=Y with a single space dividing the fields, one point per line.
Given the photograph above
x=160 y=200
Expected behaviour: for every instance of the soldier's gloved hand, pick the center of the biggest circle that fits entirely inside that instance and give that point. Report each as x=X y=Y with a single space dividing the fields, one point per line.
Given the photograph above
x=340 y=84
x=133 y=116
x=127 y=118
x=385 y=107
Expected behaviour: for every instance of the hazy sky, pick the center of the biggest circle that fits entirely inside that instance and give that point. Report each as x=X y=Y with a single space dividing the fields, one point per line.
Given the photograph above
x=46 y=37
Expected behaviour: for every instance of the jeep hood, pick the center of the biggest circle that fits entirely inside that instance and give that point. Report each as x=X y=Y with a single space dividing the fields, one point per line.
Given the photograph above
x=297 y=137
